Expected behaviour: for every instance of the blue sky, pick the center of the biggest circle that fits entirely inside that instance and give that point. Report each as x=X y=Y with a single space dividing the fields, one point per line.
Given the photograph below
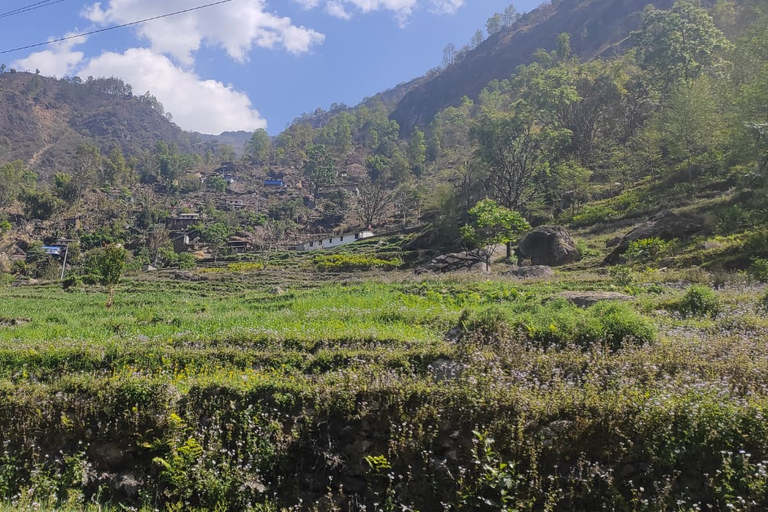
x=246 y=64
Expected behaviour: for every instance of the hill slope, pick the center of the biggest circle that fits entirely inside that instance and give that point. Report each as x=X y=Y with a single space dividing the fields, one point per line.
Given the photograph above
x=43 y=120
x=595 y=26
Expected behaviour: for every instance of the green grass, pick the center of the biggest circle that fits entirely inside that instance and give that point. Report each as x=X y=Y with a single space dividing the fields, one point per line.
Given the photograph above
x=227 y=393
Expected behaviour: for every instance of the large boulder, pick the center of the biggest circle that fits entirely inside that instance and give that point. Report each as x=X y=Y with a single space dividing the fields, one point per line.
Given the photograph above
x=664 y=225
x=533 y=272
x=549 y=245
x=466 y=261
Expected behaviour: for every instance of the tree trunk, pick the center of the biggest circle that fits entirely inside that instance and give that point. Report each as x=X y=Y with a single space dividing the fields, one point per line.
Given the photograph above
x=111 y=301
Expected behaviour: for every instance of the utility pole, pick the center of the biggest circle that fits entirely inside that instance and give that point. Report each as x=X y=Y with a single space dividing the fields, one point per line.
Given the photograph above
x=64 y=266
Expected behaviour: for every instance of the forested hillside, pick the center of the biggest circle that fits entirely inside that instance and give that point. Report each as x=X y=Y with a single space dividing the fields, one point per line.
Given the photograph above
x=672 y=117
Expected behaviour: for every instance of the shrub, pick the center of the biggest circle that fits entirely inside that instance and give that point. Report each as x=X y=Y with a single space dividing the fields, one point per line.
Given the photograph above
x=759 y=269
x=730 y=220
x=621 y=323
x=647 y=249
x=559 y=324
x=764 y=301
x=622 y=276
x=5 y=226
x=70 y=282
x=699 y=300
x=187 y=261
x=344 y=262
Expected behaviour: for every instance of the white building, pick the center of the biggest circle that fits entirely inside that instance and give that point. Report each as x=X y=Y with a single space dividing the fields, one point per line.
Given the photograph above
x=334 y=241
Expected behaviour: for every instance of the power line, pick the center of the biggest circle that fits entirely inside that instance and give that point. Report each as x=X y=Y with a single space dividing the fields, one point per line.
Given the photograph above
x=92 y=32
x=30 y=7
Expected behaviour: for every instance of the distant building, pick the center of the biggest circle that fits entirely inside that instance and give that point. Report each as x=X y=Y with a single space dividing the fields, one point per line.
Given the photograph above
x=237 y=245
x=334 y=241
x=233 y=204
x=183 y=220
x=274 y=183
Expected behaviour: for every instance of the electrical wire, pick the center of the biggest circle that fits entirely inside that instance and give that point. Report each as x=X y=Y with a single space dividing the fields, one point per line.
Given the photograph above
x=30 y=7
x=92 y=32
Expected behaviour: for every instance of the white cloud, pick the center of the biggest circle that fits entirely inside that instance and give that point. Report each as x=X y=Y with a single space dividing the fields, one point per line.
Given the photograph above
x=59 y=60
x=205 y=106
x=401 y=8
x=236 y=26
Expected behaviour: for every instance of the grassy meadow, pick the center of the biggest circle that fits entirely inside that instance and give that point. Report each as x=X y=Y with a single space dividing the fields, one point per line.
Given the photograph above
x=301 y=390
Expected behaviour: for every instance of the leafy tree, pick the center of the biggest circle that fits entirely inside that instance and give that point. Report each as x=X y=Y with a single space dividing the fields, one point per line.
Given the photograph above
x=687 y=125
x=319 y=169
x=12 y=178
x=493 y=24
x=516 y=151
x=377 y=166
x=110 y=263
x=588 y=100
x=417 y=151
x=678 y=44
x=216 y=184
x=477 y=39
x=116 y=171
x=490 y=226
x=215 y=235
x=41 y=204
x=509 y=16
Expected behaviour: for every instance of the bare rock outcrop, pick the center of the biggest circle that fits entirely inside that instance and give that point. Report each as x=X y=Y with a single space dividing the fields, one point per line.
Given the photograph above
x=549 y=245
x=664 y=225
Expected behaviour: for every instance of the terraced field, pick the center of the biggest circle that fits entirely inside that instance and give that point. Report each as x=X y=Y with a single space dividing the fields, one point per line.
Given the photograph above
x=293 y=389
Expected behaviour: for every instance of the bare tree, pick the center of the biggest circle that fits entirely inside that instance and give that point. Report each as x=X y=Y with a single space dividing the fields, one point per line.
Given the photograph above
x=373 y=202
x=267 y=238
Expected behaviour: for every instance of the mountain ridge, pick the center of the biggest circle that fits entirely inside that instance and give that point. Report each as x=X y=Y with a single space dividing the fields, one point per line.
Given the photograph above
x=594 y=25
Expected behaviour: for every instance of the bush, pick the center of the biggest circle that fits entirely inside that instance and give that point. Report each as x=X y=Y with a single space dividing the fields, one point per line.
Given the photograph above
x=764 y=301
x=70 y=282
x=346 y=262
x=187 y=261
x=5 y=226
x=699 y=300
x=622 y=277
x=759 y=269
x=558 y=324
x=647 y=249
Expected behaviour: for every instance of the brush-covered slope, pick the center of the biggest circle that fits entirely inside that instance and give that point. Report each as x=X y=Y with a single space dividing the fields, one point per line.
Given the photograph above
x=43 y=120
x=594 y=25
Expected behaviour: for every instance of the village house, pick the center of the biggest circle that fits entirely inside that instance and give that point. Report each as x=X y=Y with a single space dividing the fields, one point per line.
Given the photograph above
x=334 y=241
x=237 y=245
x=183 y=221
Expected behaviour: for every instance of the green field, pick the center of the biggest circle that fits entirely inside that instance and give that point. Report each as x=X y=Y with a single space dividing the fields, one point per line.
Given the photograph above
x=385 y=391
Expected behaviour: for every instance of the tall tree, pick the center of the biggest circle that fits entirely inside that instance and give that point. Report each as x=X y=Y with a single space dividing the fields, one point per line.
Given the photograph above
x=259 y=147
x=678 y=44
x=493 y=24
x=477 y=39
x=373 y=202
x=86 y=167
x=516 y=150
x=449 y=55
x=319 y=169
x=110 y=263
x=417 y=151
x=509 y=16
x=11 y=181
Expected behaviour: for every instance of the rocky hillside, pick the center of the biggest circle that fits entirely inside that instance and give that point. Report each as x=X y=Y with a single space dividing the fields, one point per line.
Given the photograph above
x=43 y=120
x=594 y=25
